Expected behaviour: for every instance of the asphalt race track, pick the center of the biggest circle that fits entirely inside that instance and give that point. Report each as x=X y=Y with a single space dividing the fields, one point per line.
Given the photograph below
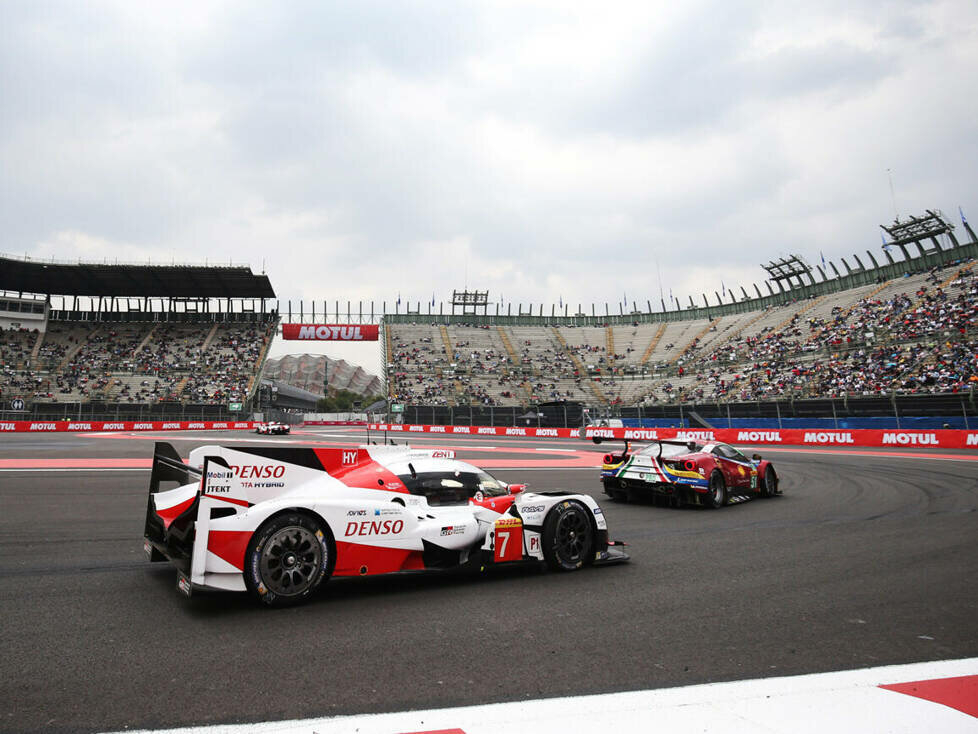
x=869 y=558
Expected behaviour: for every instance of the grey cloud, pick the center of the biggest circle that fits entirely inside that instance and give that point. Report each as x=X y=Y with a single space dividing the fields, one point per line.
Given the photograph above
x=837 y=66
x=253 y=123
x=699 y=81
x=270 y=44
x=71 y=63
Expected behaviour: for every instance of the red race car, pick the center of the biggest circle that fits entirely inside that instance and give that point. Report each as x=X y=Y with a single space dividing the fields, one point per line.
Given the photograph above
x=712 y=474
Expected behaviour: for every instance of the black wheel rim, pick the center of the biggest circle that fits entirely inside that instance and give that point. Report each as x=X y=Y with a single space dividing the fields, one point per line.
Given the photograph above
x=716 y=489
x=572 y=537
x=291 y=561
x=770 y=481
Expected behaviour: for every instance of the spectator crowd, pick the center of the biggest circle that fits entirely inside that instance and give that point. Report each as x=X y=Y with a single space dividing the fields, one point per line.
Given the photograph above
x=917 y=340
x=139 y=362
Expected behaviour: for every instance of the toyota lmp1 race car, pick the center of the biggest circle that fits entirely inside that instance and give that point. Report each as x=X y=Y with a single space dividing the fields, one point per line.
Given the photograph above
x=273 y=428
x=712 y=474
x=279 y=522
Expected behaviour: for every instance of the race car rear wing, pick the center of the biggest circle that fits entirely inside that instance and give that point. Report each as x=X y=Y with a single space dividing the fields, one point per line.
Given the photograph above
x=689 y=445
x=168 y=467
x=178 y=519
x=617 y=458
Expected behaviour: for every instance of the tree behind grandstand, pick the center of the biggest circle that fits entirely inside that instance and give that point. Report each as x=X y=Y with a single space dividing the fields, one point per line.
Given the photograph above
x=341 y=401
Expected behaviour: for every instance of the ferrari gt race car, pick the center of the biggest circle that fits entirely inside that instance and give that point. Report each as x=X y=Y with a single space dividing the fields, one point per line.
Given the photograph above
x=273 y=428
x=712 y=474
x=279 y=522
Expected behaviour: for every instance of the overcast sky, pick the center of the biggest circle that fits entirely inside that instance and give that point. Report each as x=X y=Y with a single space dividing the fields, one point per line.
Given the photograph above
x=543 y=151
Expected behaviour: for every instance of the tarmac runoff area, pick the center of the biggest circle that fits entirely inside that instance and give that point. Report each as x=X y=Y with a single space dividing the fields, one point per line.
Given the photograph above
x=867 y=561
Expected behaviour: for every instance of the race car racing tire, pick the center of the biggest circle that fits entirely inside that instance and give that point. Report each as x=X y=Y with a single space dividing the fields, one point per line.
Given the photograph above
x=615 y=493
x=288 y=559
x=717 y=495
x=769 y=484
x=568 y=536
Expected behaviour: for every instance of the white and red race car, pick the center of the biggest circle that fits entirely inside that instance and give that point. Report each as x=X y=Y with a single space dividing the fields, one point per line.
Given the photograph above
x=279 y=522
x=273 y=427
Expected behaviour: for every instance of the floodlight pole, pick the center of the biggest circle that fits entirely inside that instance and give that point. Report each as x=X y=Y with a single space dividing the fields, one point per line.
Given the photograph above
x=896 y=216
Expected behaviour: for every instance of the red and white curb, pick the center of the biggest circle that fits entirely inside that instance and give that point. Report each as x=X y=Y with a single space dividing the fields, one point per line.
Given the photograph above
x=935 y=697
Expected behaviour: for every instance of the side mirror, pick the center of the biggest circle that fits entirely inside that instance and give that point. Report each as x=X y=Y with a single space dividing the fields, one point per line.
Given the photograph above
x=516 y=488
x=756 y=457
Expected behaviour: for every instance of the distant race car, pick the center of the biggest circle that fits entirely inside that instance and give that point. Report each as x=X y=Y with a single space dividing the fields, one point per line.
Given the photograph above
x=712 y=474
x=273 y=428
x=278 y=522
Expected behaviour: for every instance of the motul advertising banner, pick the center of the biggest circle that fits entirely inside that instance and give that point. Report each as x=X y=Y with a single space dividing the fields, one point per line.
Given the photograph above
x=331 y=332
x=81 y=426
x=946 y=439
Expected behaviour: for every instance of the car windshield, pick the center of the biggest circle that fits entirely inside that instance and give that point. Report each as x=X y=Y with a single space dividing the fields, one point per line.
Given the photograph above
x=729 y=452
x=453 y=487
x=490 y=486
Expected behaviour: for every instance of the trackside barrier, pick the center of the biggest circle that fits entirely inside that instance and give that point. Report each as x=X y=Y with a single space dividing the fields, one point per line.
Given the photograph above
x=334 y=423
x=478 y=430
x=82 y=426
x=947 y=439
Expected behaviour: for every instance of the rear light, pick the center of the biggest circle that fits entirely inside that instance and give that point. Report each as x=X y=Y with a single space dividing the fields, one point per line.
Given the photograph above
x=689 y=465
x=607 y=458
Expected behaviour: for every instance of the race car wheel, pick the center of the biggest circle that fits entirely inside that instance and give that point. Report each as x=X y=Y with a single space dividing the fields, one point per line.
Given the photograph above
x=619 y=495
x=568 y=536
x=288 y=559
x=717 y=496
x=769 y=488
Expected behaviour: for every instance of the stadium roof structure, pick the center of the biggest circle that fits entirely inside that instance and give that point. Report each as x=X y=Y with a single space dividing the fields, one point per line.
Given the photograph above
x=166 y=281
x=793 y=266
x=470 y=301
x=916 y=229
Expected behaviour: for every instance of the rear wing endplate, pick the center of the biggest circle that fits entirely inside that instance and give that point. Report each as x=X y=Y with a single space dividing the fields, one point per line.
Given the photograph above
x=169 y=467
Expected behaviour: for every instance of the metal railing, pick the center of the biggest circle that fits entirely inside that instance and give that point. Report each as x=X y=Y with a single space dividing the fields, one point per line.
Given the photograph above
x=109 y=411
x=957 y=410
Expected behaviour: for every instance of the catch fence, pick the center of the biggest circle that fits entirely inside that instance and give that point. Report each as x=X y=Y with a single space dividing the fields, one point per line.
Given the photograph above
x=947 y=410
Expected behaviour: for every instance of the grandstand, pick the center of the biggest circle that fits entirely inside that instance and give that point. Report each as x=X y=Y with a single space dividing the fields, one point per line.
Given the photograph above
x=142 y=340
x=902 y=325
x=168 y=339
